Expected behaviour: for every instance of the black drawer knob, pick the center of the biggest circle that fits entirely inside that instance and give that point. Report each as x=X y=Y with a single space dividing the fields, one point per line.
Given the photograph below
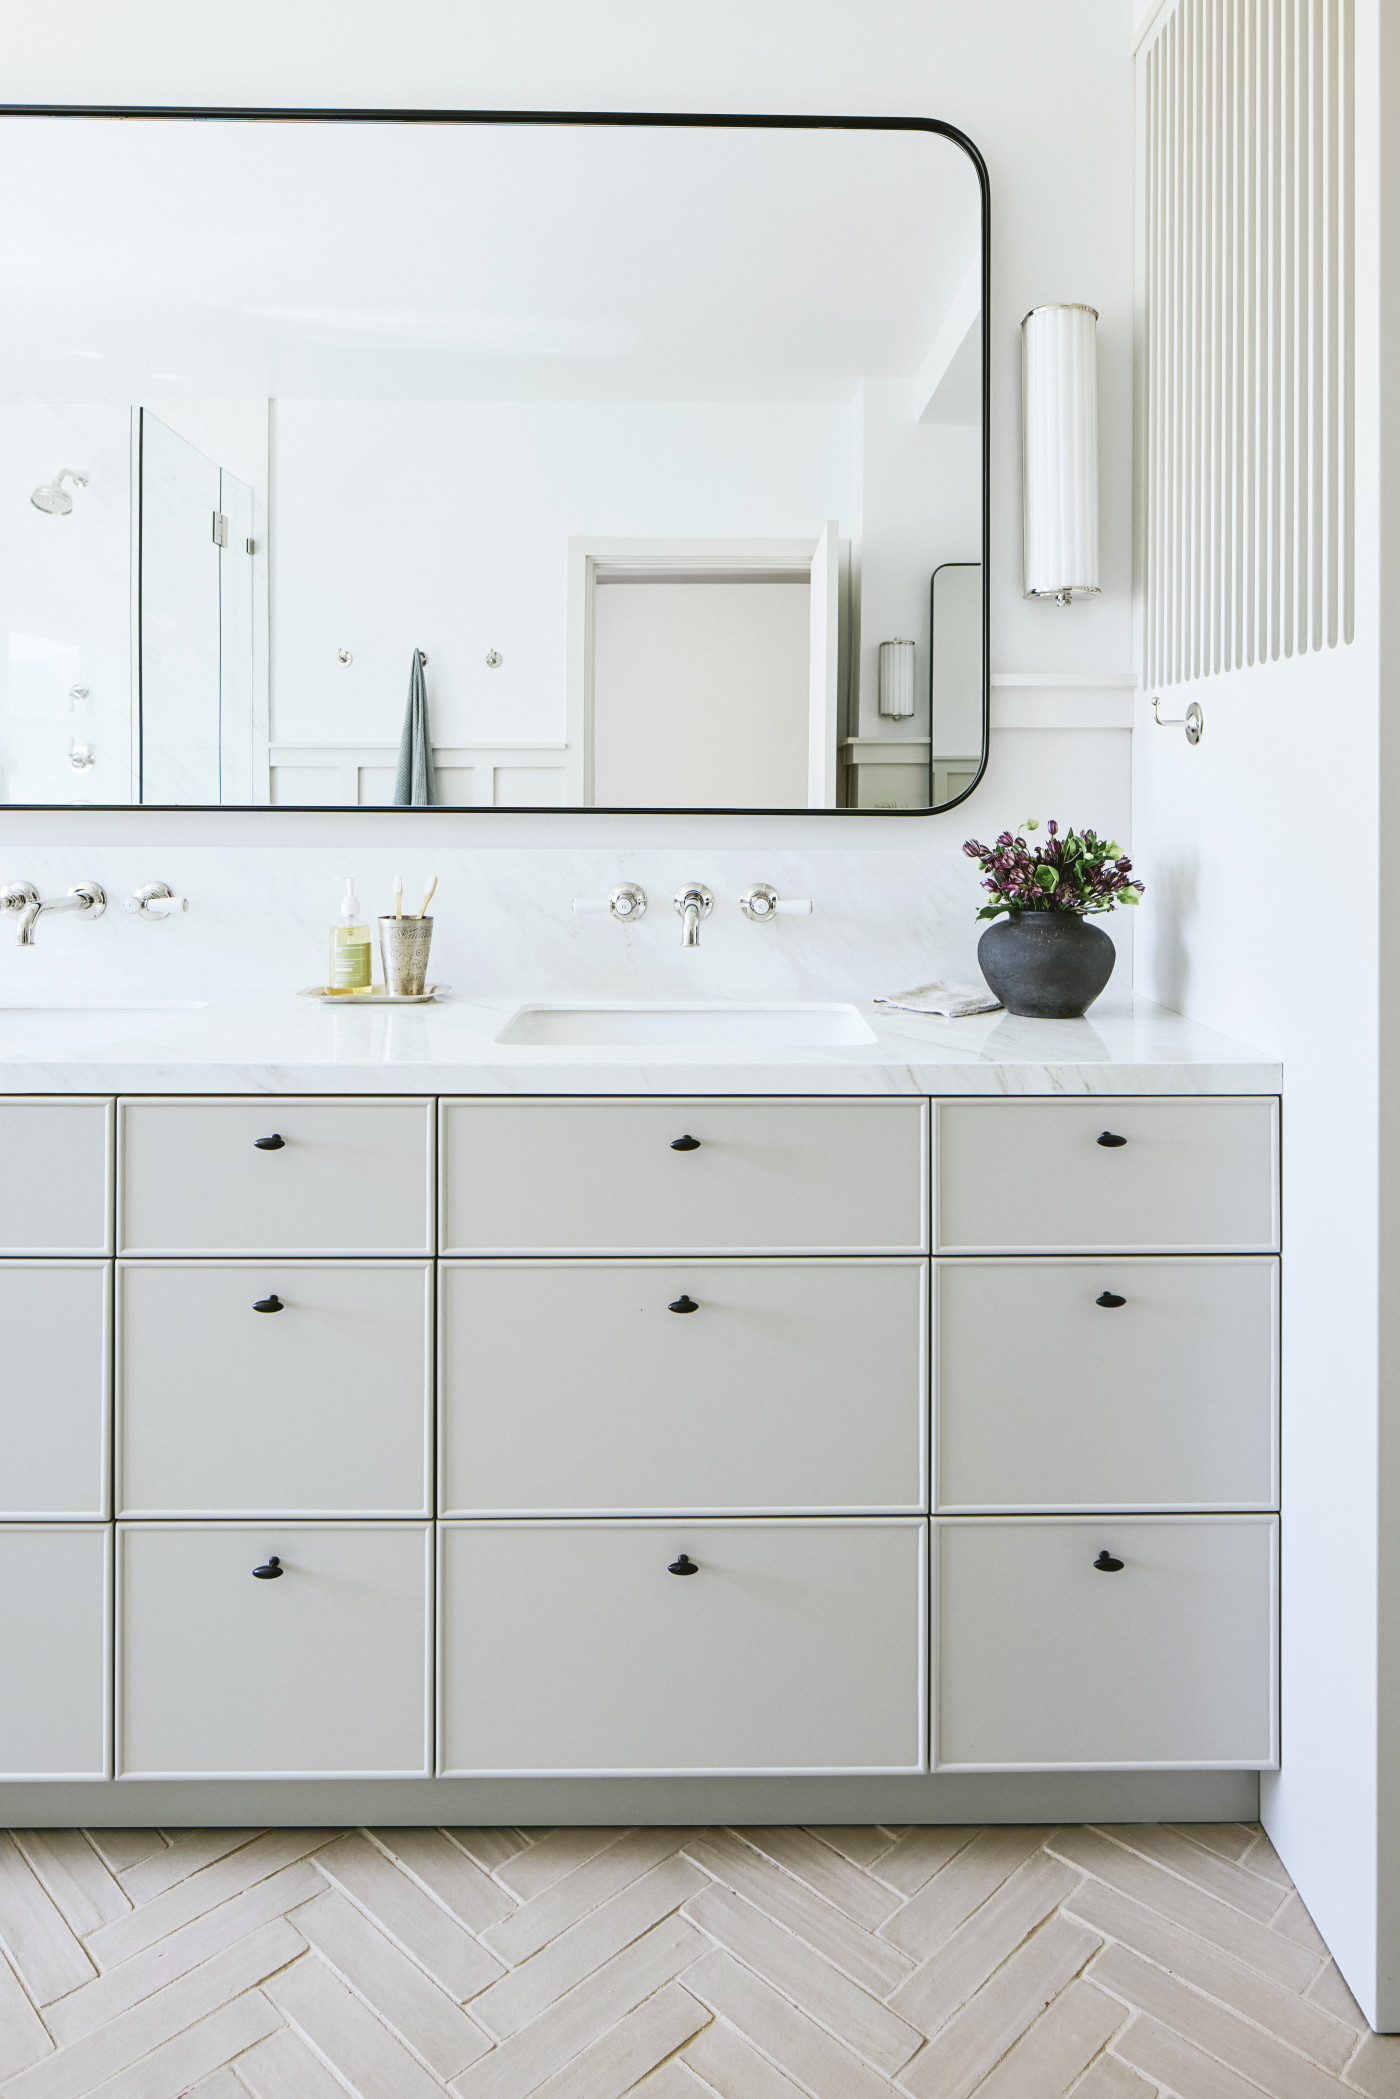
x=1110 y=1298
x=1106 y=1564
x=269 y=1144
x=682 y=1304
x=685 y=1144
x=683 y=1565
x=272 y=1570
x=269 y=1304
x=1110 y=1143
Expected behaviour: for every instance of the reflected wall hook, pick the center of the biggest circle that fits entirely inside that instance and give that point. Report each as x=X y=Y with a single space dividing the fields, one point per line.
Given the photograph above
x=1193 y=721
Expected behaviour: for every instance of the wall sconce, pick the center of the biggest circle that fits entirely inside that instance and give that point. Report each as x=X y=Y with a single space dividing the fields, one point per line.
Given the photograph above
x=897 y=679
x=1060 y=437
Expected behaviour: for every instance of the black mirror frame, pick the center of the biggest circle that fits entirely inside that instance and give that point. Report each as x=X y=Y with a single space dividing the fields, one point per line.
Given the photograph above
x=638 y=119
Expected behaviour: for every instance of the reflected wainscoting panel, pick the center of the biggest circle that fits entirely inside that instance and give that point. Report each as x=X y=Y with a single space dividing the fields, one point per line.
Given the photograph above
x=331 y=776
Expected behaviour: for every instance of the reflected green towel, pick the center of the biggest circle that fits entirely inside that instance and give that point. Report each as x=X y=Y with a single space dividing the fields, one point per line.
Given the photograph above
x=413 y=782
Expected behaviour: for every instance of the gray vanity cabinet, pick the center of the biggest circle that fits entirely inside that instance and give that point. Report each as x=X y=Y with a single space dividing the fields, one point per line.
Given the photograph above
x=584 y=1436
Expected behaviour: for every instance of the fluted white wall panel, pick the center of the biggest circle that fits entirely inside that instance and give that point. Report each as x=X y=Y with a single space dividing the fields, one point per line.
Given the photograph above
x=1246 y=552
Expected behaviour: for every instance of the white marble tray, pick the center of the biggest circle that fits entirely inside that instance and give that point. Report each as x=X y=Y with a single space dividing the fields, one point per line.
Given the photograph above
x=373 y=998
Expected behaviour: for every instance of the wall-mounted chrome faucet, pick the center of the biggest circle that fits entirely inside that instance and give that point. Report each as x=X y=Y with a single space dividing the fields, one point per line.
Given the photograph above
x=24 y=898
x=763 y=902
x=693 y=903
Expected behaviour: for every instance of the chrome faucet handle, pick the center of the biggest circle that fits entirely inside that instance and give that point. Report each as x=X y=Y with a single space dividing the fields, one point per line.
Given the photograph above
x=88 y=897
x=763 y=902
x=693 y=903
x=18 y=896
x=626 y=902
x=157 y=900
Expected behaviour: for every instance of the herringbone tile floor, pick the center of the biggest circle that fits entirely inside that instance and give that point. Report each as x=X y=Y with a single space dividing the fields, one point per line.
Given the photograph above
x=857 y=1963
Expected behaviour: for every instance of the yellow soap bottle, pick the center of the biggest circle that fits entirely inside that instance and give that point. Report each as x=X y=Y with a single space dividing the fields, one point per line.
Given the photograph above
x=351 y=954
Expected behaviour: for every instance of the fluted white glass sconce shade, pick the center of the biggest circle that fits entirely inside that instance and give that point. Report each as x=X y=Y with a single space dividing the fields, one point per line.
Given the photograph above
x=1060 y=435
x=897 y=679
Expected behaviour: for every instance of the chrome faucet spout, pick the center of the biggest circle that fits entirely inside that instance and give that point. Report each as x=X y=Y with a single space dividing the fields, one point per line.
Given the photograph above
x=24 y=898
x=694 y=902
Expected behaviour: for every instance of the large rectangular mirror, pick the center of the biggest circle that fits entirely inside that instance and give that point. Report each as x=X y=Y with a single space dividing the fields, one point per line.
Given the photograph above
x=491 y=463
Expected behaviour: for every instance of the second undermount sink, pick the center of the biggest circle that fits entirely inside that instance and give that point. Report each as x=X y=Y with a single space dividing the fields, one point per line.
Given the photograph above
x=598 y=1024
x=27 y=1029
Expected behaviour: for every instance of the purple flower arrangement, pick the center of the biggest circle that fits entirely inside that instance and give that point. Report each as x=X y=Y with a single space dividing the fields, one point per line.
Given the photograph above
x=1075 y=871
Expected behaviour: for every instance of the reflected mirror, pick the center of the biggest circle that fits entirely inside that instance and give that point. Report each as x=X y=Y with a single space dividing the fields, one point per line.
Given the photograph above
x=491 y=463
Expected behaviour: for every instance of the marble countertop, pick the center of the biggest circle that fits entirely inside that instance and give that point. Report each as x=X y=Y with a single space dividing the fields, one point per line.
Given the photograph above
x=281 y=1044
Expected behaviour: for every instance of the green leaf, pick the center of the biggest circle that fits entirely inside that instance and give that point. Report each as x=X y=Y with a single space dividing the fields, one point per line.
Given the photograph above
x=1047 y=877
x=993 y=910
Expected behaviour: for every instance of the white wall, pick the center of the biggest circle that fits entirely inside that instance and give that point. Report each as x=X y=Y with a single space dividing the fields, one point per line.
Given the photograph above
x=1268 y=847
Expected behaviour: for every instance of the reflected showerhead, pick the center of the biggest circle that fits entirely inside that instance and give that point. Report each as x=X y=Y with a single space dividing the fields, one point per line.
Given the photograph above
x=53 y=498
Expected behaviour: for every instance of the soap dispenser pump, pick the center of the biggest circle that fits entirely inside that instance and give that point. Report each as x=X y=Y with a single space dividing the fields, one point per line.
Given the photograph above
x=351 y=954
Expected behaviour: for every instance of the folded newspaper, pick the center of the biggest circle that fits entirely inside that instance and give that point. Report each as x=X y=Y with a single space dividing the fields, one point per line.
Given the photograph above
x=950 y=1001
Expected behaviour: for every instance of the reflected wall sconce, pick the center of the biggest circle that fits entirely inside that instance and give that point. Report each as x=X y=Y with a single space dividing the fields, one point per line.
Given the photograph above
x=1060 y=440
x=897 y=679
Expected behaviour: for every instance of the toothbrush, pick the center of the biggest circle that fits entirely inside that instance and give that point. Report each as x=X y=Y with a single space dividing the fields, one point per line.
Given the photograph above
x=398 y=896
x=427 y=896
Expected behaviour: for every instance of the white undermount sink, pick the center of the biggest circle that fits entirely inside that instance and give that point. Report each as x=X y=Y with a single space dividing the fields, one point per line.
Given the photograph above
x=29 y=1028
x=596 y=1024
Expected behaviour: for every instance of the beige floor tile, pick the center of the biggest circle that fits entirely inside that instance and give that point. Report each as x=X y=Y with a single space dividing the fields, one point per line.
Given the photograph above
x=1217 y=1876
x=170 y=2070
x=523 y=2062
x=411 y=1918
x=1196 y=1911
x=397 y=1991
x=24 y=2039
x=729 y=2066
x=1109 y=2078
x=847 y=2012
x=530 y=1872
x=489 y=1847
x=1261 y=1858
x=1051 y=2055
x=331 y=2019
x=122 y=1848
x=188 y=1850
x=1228 y=1839
x=931 y=1917
x=530 y=1989
x=221 y=2085
x=672 y=2081
x=544 y=1916
x=920 y=1854
x=861 y=1844
x=615 y=2062
x=809 y=1860
x=1294 y=1922
x=201 y=1892
x=1165 y=2058
x=943 y=1984
x=90 y=2064
x=1330 y=1993
x=1375 y=2067
x=79 y=1882
x=781 y=2032
x=969 y=2047
x=446 y=1872
x=47 y=1957
x=1209 y=2026
x=283 y=2067
x=872 y=1962
x=1303 y=2023
x=109 y=1994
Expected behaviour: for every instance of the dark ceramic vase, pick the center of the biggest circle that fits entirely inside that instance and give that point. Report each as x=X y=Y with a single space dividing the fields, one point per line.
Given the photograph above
x=1046 y=965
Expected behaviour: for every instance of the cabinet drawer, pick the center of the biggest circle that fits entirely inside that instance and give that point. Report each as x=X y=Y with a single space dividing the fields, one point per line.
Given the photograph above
x=571 y=1647
x=55 y=1650
x=346 y=1177
x=606 y=1177
x=322 y=1672
x=1031 y=1176
x=575 y=1388
x=1046 y=1398
x=56 y=1323
x=56 y=1176
x=1044 y=1662
x=321 y=1408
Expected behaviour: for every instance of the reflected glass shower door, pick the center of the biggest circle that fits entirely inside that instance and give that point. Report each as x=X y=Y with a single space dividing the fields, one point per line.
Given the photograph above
x=196 y=624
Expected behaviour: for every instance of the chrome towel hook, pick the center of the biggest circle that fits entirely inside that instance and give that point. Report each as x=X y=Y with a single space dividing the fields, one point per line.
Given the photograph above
x=1193 y=721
